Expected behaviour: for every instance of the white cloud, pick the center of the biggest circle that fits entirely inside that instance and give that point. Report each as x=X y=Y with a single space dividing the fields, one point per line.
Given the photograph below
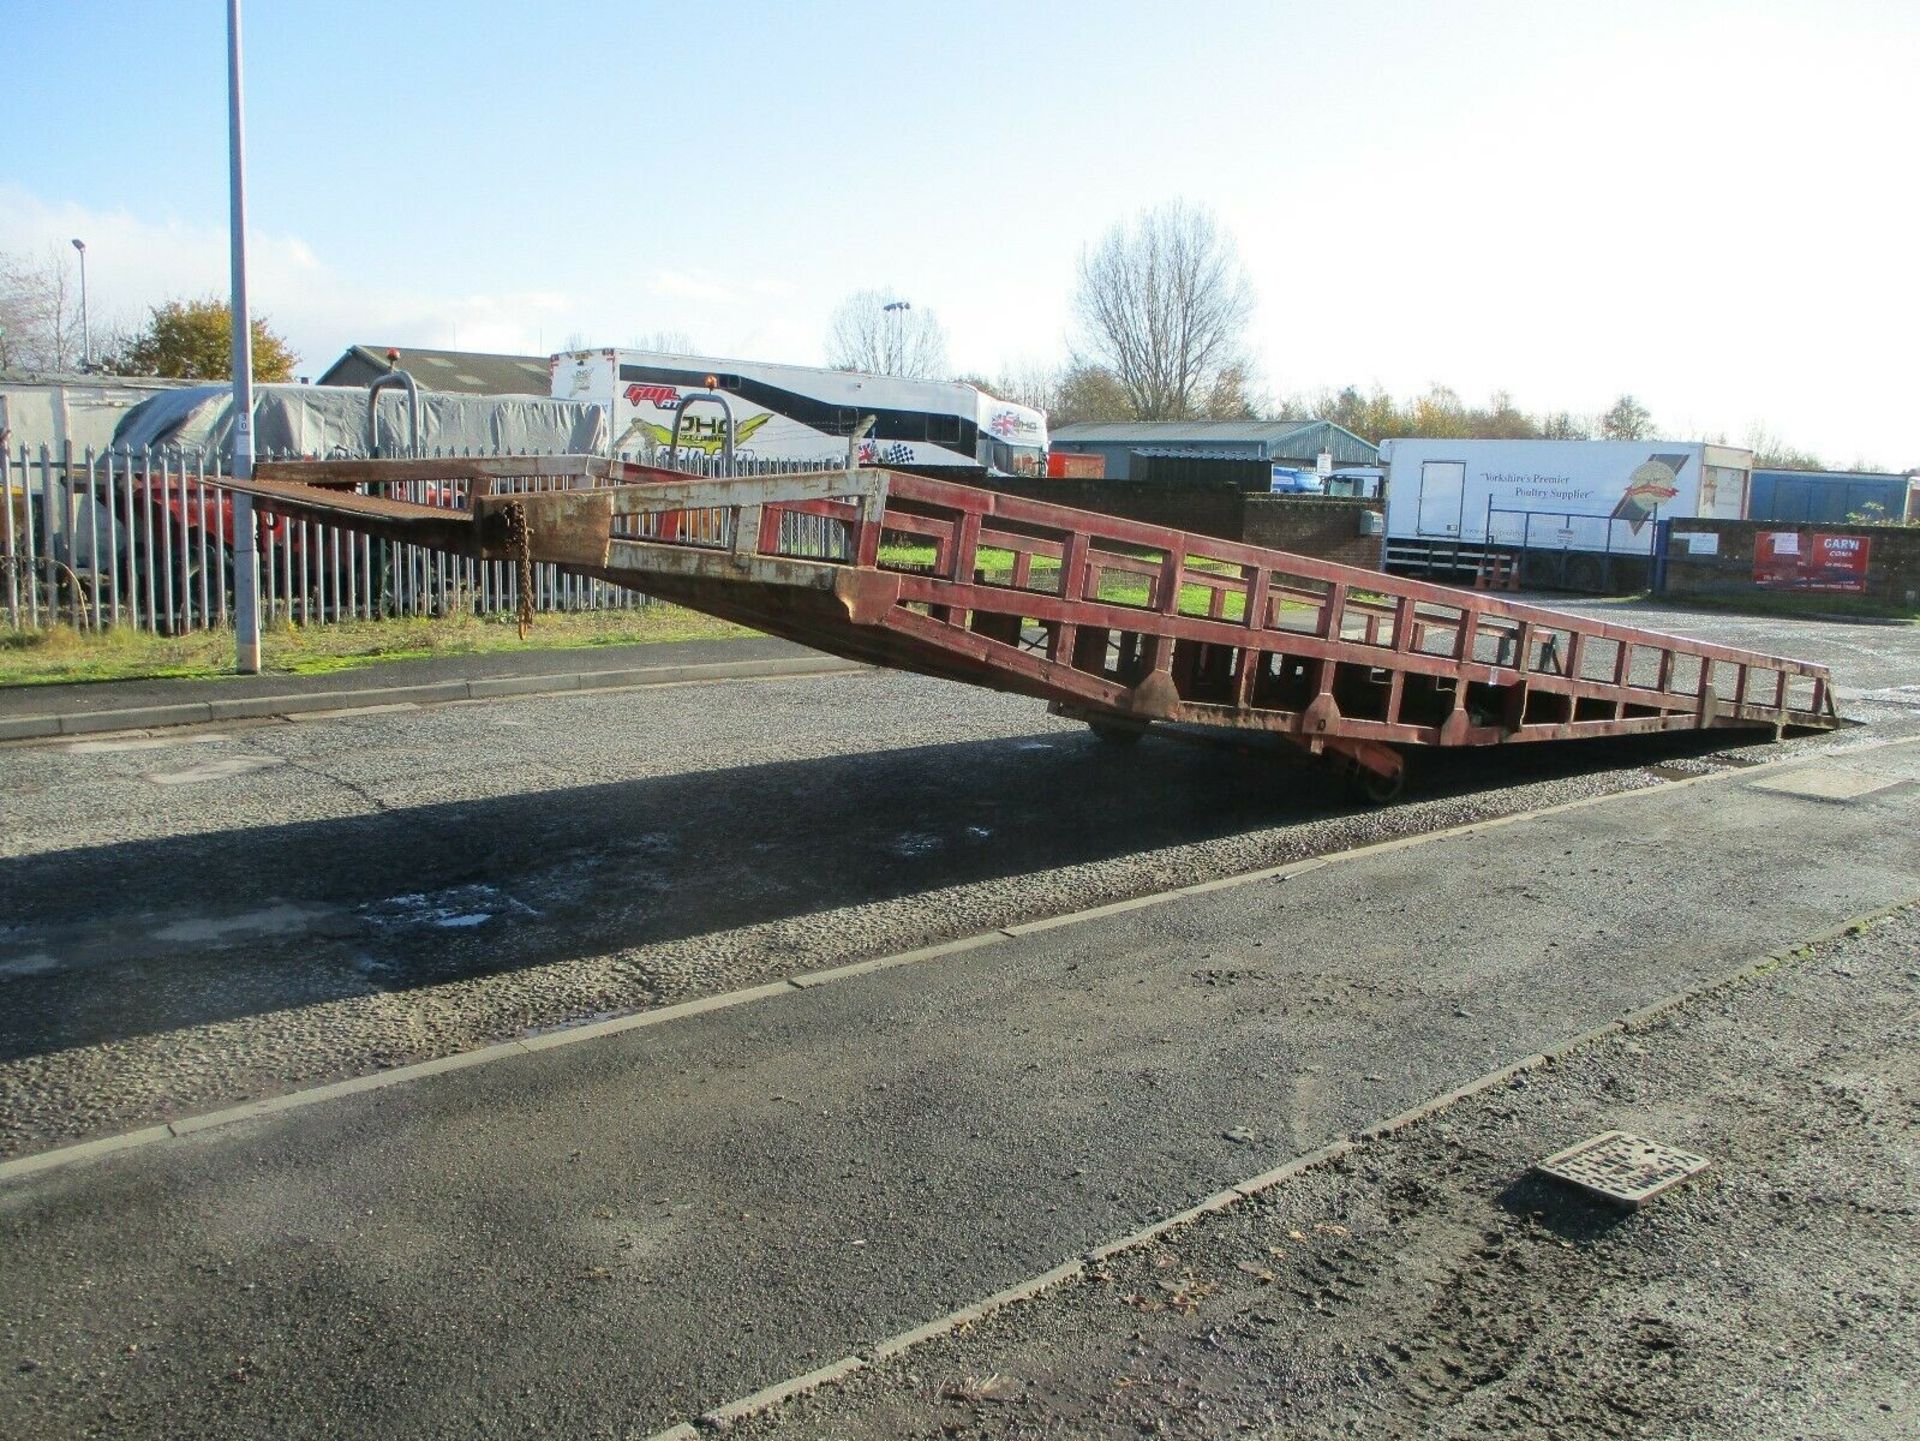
x=134 y=263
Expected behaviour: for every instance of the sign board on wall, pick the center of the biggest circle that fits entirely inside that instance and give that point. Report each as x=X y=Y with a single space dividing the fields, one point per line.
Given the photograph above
x=1702 y=542
x=1791 y=560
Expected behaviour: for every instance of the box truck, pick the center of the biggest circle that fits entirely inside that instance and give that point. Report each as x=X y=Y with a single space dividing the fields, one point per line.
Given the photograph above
x=802 y=413
x=1452 y=503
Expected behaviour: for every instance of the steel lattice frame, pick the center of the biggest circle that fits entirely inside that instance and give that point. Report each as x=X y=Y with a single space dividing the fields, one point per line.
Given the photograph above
x=1113 y=621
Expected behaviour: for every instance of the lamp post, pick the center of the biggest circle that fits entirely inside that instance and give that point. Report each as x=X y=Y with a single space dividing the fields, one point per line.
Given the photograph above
x=86 y=331
x=893 y=358
x=246 y=576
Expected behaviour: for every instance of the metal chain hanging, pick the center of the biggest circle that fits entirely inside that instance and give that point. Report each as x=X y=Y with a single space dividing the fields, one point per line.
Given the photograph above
x=520 y=542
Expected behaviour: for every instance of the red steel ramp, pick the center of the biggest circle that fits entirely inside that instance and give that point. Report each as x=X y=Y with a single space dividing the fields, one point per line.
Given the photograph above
x=1114 y=622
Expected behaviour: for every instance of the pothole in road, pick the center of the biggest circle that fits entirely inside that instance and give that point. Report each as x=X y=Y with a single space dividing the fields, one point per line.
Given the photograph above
x=456 y=908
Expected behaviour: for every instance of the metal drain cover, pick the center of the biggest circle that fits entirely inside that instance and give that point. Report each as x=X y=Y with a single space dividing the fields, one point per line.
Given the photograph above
x=1621 y=1167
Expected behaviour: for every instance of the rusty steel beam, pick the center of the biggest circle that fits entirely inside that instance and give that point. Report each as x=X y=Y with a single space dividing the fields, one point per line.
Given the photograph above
x=350 y=473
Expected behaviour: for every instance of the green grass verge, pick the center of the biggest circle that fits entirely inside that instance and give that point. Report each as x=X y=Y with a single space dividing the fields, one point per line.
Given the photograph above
x=63 y=654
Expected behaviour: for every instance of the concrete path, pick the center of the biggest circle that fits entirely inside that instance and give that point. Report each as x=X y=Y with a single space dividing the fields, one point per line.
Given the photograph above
x=601 y=1238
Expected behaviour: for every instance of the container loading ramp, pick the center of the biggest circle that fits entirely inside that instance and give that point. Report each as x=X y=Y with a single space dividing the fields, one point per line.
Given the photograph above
x=1113 y=622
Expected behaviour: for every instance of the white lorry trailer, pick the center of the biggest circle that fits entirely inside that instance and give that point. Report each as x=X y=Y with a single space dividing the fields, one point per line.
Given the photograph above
x=1452 y=505
x=801 y=413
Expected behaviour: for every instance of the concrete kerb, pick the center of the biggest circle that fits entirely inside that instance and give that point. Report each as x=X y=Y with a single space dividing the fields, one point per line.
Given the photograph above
x=1254 y=1186
x=366 y=698
x=567 y=1035
x=721 y=1417
x=660 y=1016
x=28 y=727
x=808 y=980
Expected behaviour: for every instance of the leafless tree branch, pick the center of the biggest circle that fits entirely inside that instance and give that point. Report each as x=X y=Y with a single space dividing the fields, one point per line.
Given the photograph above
x=907 y=340
x=1163 y=303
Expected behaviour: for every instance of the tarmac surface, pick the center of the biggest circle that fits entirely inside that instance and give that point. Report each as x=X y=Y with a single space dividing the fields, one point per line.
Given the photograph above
x=1426 y=1284
x=618 y=1234
x=607 y=1236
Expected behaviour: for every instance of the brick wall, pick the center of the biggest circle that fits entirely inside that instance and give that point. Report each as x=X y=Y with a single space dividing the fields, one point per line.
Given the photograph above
x=1324 y=528
x=1206 y=508
x=1893 y=562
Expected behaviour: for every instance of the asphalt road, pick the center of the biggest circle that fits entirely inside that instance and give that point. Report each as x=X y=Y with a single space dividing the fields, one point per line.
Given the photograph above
x=603 y=1237
x=210 y=914
x=1427 y=1285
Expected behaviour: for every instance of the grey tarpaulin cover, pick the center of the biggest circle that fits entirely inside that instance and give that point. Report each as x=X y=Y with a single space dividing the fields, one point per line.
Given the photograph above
x=330 y=422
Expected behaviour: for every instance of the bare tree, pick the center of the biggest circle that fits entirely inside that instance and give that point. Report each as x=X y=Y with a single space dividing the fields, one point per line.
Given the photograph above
x=1028 y=382
x=1163 y=303
x=39 y=311
x=877 y=332
x=666 y=342
x=1772 y=451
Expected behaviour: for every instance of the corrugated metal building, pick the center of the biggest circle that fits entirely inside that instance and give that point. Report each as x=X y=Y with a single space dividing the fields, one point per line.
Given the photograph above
x=1288 y=442
x=1825 y=496
x=460 y=372
x=1174 y=466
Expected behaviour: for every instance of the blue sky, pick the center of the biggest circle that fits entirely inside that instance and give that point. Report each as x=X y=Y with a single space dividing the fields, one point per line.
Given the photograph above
x=1706 y=203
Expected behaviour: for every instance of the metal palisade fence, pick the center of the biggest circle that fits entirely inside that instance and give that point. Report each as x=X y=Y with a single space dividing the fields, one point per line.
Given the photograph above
x=144 y=539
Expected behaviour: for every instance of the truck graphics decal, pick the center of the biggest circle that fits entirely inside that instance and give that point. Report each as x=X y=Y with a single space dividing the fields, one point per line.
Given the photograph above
x=1652 y=484
x=1011 y=425
x=824 y=416
x=664 y=397
x=704 y=433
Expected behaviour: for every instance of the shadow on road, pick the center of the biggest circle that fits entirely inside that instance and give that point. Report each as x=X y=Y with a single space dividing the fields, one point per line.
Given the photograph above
x=129 y=939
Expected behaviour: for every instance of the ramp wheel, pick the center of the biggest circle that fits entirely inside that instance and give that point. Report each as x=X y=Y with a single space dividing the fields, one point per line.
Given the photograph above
x=1376 y=789
x=1116 y=735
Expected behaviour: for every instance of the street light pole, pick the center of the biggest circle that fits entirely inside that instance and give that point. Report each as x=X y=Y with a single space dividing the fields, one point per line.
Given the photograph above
x=893 y=358
x=86 y=331
x=246 y=577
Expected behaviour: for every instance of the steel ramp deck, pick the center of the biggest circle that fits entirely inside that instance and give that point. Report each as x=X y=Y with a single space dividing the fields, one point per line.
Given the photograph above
x=1112 y=621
